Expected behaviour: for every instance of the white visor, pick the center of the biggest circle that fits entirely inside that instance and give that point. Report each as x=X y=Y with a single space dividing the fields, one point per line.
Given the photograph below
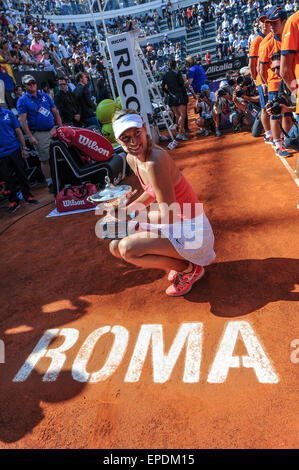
x=126 y=122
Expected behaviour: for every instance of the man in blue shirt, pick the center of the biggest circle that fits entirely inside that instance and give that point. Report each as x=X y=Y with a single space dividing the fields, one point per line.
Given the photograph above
x=12 y=152
x=38 y=114
x=196 y=74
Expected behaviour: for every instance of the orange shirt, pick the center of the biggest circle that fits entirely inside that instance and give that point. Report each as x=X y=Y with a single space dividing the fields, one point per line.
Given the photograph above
x=290 y=45
x=271 y=46
x=261 y=47
x=254 y=52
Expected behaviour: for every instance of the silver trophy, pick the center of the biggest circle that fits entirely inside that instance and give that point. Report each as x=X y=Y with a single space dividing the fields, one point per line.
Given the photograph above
x=112 y=197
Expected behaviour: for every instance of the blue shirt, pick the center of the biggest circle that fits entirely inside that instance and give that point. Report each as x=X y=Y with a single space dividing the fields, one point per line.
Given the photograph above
x=36 y=109
x=9 y=142
x=199 y=77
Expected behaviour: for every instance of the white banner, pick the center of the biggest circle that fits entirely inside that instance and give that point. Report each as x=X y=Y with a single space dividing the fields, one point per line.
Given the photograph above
x=128 y=80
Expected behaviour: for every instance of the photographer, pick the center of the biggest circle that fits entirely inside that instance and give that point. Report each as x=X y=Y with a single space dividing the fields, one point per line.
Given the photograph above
x=225 y=106
x=244 y=95
x=281 y=106
x=204 y=107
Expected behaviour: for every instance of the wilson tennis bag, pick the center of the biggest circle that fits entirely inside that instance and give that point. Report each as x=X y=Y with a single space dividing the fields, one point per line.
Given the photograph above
x=74 y=198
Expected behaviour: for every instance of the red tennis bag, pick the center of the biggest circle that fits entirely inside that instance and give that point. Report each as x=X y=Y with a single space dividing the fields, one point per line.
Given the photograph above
x=74 y=198
x=93 y=145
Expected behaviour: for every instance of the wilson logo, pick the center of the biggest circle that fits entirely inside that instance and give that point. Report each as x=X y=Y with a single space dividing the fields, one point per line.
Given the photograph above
x=67 y=139
x=92 y=144
x=72 y=202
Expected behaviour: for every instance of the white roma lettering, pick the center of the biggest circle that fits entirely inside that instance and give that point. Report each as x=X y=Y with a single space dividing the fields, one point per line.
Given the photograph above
x=115 y=357
x=56 y=354
x=164 y=364
x=256 y=358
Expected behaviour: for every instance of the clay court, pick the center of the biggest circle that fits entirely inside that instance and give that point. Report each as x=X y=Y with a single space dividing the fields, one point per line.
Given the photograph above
x=57 y=275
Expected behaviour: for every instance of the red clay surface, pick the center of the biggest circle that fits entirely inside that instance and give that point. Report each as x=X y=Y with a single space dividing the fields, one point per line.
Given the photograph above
x=55 y=273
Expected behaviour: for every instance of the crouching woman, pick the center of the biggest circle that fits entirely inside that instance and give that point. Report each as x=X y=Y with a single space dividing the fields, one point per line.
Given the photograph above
x=179 y=241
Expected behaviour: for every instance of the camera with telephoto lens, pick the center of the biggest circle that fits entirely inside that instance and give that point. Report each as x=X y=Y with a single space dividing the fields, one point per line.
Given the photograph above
x=275 y=107
x=231 y=82
x=243 y=80
x=240 y=93
x=223 y=92
x=202 y=95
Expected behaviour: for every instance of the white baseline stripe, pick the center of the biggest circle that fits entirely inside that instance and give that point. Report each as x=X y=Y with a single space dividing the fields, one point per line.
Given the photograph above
x=291 y=171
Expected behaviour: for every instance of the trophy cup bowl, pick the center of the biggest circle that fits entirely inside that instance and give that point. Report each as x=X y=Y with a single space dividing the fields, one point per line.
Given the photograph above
x=111 y=196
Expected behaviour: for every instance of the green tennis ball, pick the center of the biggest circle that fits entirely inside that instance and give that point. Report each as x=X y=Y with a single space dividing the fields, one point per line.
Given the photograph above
x=119 y=102
x=115 y=145
x=105 y=111
x=107 y=131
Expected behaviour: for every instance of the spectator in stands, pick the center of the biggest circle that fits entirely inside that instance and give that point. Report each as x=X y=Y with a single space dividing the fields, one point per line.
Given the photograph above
x=37 y=46
x=27 y=62
x=46 y=63
x=251 y=37
x=288 y=6
x=37 y=114
x=6 y=56
x=202 y=27
x=84 y=100
x=177 y=52
x=208 y=58
x=79 y=66
x=12 y=152
x=67 y=104
x=102 y=92
x=196 y=74
x=168 y=15
x=198 y=59
x=54 y=56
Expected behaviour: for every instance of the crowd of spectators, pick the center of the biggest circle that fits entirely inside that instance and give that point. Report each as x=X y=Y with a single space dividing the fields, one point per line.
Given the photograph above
x=30 y=42
x=233 y=38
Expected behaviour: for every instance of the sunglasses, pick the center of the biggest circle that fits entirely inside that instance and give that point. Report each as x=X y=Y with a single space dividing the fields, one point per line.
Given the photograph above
x=31 y=83
x=275 y=68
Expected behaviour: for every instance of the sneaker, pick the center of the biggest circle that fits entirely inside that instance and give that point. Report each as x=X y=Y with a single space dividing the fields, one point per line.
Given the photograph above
x=200 y=133
x=172 y=145
x=182 y=282
x=182 y=137
x=13 y=206
x=281 y=151
x=31 y=200
x=206 y=133
x=218 y=133
x=268 y=140
x=51 y=188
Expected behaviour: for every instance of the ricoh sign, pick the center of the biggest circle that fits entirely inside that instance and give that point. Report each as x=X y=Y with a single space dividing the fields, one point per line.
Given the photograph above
x=125 y=71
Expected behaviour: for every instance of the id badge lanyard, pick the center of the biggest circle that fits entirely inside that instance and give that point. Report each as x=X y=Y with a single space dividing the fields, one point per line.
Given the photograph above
x=39 y=109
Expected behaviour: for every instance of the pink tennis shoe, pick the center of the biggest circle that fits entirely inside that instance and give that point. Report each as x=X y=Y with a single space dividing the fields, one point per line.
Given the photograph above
x=182 y=282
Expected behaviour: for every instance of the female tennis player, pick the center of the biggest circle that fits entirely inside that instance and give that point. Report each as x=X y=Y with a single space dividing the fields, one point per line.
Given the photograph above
x=181 y=240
